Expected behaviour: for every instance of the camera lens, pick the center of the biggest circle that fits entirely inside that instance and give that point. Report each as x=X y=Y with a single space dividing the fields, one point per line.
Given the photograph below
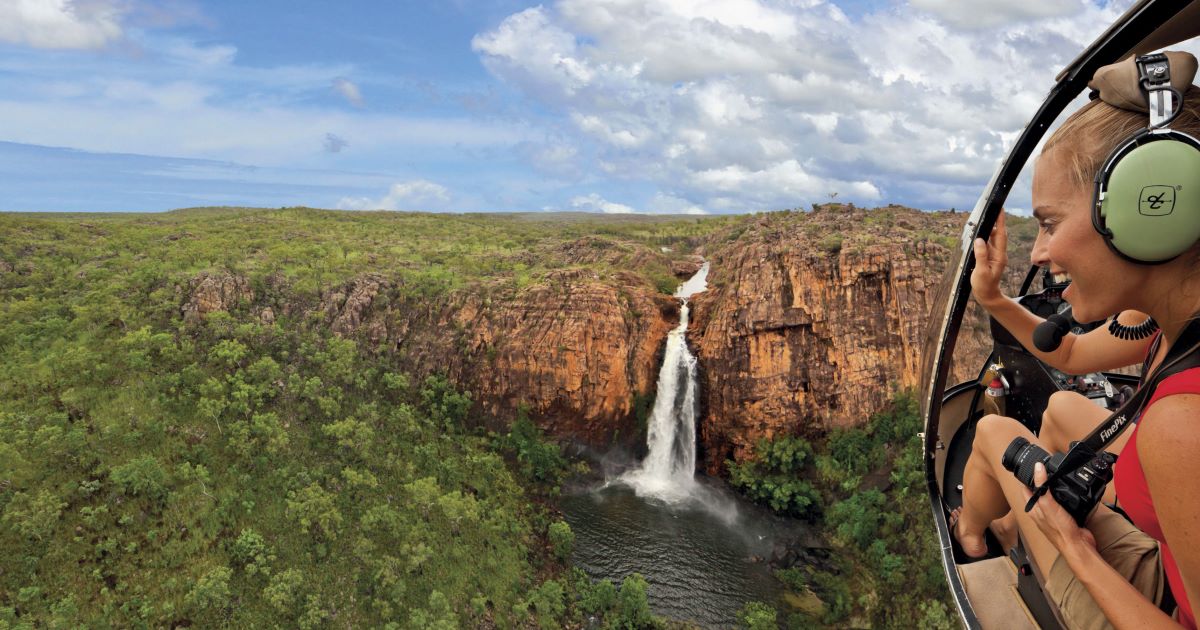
x=1009 y=459
x=1020 y=457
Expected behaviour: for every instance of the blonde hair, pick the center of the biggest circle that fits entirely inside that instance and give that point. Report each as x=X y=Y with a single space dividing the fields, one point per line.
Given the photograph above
x=1093 y=132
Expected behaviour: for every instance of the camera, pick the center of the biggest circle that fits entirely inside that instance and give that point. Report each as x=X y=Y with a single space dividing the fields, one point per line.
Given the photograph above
x=1078 y=491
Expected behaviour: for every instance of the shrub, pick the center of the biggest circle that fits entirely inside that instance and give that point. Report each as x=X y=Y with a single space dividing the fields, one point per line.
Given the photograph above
x=758 y=616
x=775 y=476
x=562 y=540
x=141 y=477
x=831 y=243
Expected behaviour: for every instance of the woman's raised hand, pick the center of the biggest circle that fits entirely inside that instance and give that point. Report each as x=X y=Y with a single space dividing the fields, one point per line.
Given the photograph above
x=991 y=257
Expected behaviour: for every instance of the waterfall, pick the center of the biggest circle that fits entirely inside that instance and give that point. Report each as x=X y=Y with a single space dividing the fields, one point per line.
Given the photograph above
x=668 y=471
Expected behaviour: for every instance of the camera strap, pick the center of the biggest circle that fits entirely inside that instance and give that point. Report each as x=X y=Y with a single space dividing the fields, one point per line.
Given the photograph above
x=1183 y=355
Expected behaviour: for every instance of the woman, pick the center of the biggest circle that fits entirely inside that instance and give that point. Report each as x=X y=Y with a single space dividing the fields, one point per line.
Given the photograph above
x=1069 y=415
x=1109 y=572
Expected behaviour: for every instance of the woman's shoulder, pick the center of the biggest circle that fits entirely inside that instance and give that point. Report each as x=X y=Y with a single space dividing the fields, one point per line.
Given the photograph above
x=1185 y=382
x=1171 y=421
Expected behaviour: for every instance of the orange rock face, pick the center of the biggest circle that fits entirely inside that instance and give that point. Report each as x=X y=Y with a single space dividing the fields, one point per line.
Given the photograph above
x=574 y=349
x=799 y=334
x=209 y=293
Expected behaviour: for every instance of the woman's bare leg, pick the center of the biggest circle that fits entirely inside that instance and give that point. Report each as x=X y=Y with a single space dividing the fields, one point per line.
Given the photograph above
x=1069 y=416
x=990 y=491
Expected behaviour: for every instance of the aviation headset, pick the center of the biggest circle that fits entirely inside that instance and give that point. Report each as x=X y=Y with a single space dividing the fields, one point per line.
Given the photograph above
x=1146 y=200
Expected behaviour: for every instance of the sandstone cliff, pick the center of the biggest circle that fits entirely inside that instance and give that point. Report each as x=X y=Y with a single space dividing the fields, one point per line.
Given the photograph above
x=811 y=321
x=802 y=332
x=575 y=348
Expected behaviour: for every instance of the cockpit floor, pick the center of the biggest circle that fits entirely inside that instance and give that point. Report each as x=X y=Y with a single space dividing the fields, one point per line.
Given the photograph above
x=992 y=588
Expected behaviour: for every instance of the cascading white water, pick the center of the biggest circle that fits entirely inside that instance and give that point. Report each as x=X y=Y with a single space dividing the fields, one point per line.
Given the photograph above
x=668 y=471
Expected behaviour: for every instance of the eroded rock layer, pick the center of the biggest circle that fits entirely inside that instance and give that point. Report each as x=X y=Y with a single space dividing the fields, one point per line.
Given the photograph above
x=811 y=321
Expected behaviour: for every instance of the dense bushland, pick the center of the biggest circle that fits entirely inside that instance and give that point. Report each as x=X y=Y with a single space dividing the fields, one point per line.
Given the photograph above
x=232 y=470
x=864 y=488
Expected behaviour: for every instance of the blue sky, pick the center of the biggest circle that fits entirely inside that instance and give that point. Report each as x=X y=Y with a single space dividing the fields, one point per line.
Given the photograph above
x=679 y=106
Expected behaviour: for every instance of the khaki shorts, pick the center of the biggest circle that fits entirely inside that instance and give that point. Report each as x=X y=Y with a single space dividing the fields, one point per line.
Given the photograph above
x=1129 y=550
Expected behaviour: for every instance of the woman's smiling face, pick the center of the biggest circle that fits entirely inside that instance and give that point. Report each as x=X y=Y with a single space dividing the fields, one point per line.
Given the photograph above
x=1068 y=244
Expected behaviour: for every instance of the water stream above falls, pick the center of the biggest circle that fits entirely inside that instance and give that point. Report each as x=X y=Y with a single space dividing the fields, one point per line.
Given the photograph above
x=701 y=548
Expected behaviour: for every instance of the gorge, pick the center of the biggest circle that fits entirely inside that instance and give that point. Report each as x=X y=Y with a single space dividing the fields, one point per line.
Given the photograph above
x=310 y=418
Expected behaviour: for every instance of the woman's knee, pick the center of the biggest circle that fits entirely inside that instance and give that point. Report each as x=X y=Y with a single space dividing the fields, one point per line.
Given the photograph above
x=1068 y=417
x=993 y=434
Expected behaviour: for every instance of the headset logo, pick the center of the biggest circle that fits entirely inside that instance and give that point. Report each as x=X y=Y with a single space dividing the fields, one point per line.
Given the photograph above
x=1157 y=201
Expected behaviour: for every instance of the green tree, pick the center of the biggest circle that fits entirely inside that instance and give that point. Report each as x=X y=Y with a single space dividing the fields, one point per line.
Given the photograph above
x=141 y=477
x=34 y=517
x=775 y=476
x=539 y=458
x=444 y=404
x=633 y=608
x=547 y=602
x=562 y=539
x=211 y=591
x=598 y=598
x=758 y=616
x=283 y=591
x=437 y=615
x=251 y=552
x=314 y=509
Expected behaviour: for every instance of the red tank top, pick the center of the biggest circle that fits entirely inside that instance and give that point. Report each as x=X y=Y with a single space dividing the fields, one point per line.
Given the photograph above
x=1134 y=496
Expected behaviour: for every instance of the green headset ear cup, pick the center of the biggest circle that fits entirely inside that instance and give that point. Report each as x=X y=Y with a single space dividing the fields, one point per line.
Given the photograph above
x=1150 y=207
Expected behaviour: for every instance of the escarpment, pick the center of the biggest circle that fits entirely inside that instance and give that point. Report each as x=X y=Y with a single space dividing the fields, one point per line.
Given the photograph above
x=574 y=349
x=811 y=321
x=814 y=320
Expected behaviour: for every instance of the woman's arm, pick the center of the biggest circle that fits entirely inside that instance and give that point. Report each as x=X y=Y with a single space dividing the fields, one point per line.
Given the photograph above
x=1094 y=351
x=1167 y=443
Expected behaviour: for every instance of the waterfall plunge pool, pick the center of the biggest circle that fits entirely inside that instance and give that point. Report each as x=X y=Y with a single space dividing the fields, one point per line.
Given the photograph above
x=703 y=558
x=703 y=551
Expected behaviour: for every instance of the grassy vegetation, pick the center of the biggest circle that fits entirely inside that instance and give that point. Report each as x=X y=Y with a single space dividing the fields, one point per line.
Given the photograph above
x=240 y=471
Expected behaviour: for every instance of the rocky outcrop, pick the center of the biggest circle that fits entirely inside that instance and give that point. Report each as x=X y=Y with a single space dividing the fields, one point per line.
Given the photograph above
x=209 y=293
x=349 y=309
x=801 y=332
x=575 y=348
x=687 y=267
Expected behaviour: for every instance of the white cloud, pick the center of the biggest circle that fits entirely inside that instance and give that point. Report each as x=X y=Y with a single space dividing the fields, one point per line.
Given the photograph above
x=349 y=91
x=988 y=13
x=663 y=203
x=81 y=24
x=596 y=203
x=418 y=194
x=760 y=104
x=192 y=54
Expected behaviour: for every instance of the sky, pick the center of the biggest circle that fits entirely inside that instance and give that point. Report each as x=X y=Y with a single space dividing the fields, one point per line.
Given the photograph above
x=614 y=106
